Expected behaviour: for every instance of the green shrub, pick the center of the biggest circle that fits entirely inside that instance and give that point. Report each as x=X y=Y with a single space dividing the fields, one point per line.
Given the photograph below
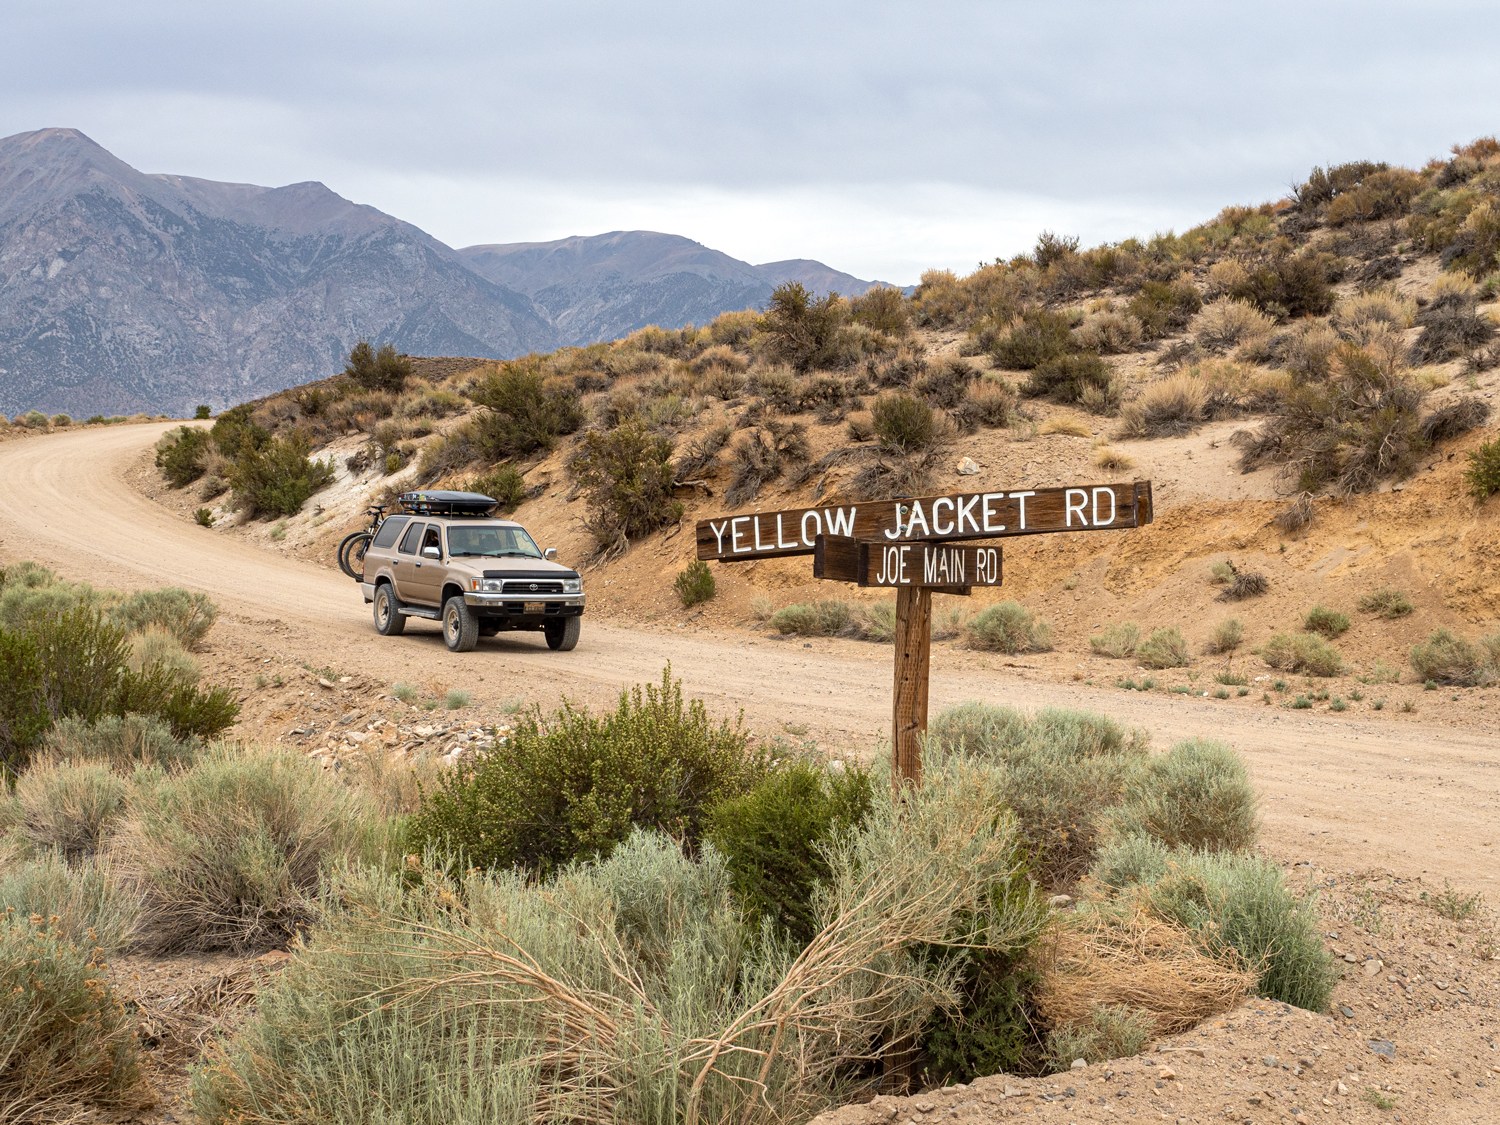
x=377 y=370
x=903 y=422
x=1113 y=1031
x=1387 y=603
x=978 y=729
x=1197 y=795
x=574 y=784
x=1164 y=307
x=627 y=478
x=1063 y=771
x=69 y=808
x=1227 y=636
x=995 y=1032
x=1007 y=627
x=32 y=420
x=181 y=454
x=157 y=646
x=1164 y=648
x=505 y=485
x=187 y=615
x=203 y=517
x=1452 y=326
x=236 y=432
x=694 y=584
x=804 y=331
x=83 y=902
x=1446 y=659
x=1326 y=622
x=1242 y=903
x=67 y=1046
x=776 y=837
x=202 y=412
x=1129 y=861
x=1302 y=652
x=229 y=854
x=277 y=478
x=818 y=619
x=1069 y=378
x=524 y=410
x=1483 y=473
x=1040 y=335
x=1290 y=285
x=629 y=990
x=188 y=710
x=120 y=741
x=1117 y=640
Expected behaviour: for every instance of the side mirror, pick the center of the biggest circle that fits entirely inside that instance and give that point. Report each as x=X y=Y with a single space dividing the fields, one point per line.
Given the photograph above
x=550 y=554
x=431 y=553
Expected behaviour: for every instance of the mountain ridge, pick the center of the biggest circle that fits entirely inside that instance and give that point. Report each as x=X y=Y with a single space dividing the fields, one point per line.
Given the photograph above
x=124 y=291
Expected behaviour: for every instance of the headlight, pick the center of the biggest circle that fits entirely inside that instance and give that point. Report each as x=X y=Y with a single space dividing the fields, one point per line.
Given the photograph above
x=572 y=585
x=485 y=585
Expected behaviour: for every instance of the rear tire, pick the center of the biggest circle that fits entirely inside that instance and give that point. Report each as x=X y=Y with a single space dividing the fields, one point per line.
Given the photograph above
x=562 y=636
x=460 y=625
x=352 y=554
x=389 y=620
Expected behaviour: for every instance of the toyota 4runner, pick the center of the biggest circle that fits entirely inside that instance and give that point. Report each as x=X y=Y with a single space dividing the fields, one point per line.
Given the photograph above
x=446 y=558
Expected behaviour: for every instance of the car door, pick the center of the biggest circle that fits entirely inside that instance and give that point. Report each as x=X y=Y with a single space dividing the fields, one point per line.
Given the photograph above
x=418 y=580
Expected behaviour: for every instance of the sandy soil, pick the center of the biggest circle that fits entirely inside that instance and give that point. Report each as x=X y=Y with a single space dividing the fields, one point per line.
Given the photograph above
x=1406 y=800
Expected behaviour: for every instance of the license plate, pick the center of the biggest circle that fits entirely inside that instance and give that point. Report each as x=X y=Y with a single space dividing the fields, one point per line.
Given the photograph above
x=534 y=607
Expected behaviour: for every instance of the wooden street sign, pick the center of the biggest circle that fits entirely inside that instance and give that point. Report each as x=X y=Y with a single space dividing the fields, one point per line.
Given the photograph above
x=947 y=567
x=970 y=515
x=907 y=545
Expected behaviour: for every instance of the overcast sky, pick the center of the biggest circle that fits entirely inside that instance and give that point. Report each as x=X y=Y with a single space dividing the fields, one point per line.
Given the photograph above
x=881 y=138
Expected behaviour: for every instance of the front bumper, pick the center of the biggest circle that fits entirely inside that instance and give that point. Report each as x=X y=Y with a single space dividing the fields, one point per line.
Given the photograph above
x=562 y=605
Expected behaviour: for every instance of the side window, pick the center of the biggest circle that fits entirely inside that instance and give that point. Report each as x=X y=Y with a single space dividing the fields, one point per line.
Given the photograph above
x=431 y=540
x=389 y=530
x=410 y=540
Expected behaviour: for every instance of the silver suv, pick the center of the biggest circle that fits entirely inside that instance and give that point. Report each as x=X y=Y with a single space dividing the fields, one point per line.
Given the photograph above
x=444 y=557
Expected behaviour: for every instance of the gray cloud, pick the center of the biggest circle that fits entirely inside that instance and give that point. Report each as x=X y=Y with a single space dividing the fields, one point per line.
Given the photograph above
x=1087 y=111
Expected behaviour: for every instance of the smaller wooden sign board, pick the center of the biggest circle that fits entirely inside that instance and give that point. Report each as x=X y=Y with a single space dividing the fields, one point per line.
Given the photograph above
x=945 y=567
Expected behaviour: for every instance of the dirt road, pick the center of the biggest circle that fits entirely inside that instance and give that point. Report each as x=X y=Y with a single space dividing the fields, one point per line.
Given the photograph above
x=1355 y=794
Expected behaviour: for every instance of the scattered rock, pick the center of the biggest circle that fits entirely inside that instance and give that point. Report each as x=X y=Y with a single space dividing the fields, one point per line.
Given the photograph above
x=1383 y=1047
x=967 y=467
x=1374 y=966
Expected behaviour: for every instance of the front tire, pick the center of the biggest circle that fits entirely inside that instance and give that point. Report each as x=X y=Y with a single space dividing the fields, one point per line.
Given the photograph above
x=389 y=620
x=460 y=625
x=562 y=636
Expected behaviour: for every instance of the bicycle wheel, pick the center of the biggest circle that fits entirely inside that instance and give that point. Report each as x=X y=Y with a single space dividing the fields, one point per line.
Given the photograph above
x=352 y=553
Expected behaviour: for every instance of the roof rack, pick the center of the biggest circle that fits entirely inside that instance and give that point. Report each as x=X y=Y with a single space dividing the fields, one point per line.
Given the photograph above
x=443 y=503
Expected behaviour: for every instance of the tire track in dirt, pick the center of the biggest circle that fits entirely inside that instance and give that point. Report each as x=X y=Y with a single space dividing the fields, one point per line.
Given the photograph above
x=1353 y=793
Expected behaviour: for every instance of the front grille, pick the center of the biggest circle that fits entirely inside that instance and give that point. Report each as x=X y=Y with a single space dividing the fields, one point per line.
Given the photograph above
x=522 y=586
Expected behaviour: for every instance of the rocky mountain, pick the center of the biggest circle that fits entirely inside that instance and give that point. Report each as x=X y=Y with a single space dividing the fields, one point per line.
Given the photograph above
x=604 y=286
x=122 y=291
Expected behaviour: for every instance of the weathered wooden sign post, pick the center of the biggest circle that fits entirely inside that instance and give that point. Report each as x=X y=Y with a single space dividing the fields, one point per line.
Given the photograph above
x=912 y=546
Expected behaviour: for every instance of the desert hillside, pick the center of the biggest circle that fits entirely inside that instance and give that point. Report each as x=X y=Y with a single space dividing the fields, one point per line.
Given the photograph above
x=1304 y=382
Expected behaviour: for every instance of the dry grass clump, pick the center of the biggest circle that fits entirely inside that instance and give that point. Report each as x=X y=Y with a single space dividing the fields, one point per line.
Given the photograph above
x=1126 y=957
x=1068 y=427
x=1227 y=636
x=1110 y=332
x=1164 y=648
x=1446 y=659
x=82 y=902
x=1386 y=602
x=230 y=853
x=1455 y=419
x=630 y=990
x=1227 y=324
x=1307 y=351
x=67 y=1047
x=1328 y=623
x=1007 y=627
x=1118 y=641
x=1175 y=405
x=1357 y=314
x=1296 y=516
x=1112 y=460
x=69 y=808
x=1239 y=584
x=763 y=454
x=1306 y=653
x=993 y=401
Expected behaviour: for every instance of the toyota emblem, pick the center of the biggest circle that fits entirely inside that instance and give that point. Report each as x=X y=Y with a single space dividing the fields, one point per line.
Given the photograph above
x=533 y=587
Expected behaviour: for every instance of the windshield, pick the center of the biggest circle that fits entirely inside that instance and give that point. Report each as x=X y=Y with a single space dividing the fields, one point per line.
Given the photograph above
x=490 y=541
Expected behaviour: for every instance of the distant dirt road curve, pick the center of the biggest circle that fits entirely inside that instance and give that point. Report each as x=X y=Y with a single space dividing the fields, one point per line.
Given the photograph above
x=1356 y=795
